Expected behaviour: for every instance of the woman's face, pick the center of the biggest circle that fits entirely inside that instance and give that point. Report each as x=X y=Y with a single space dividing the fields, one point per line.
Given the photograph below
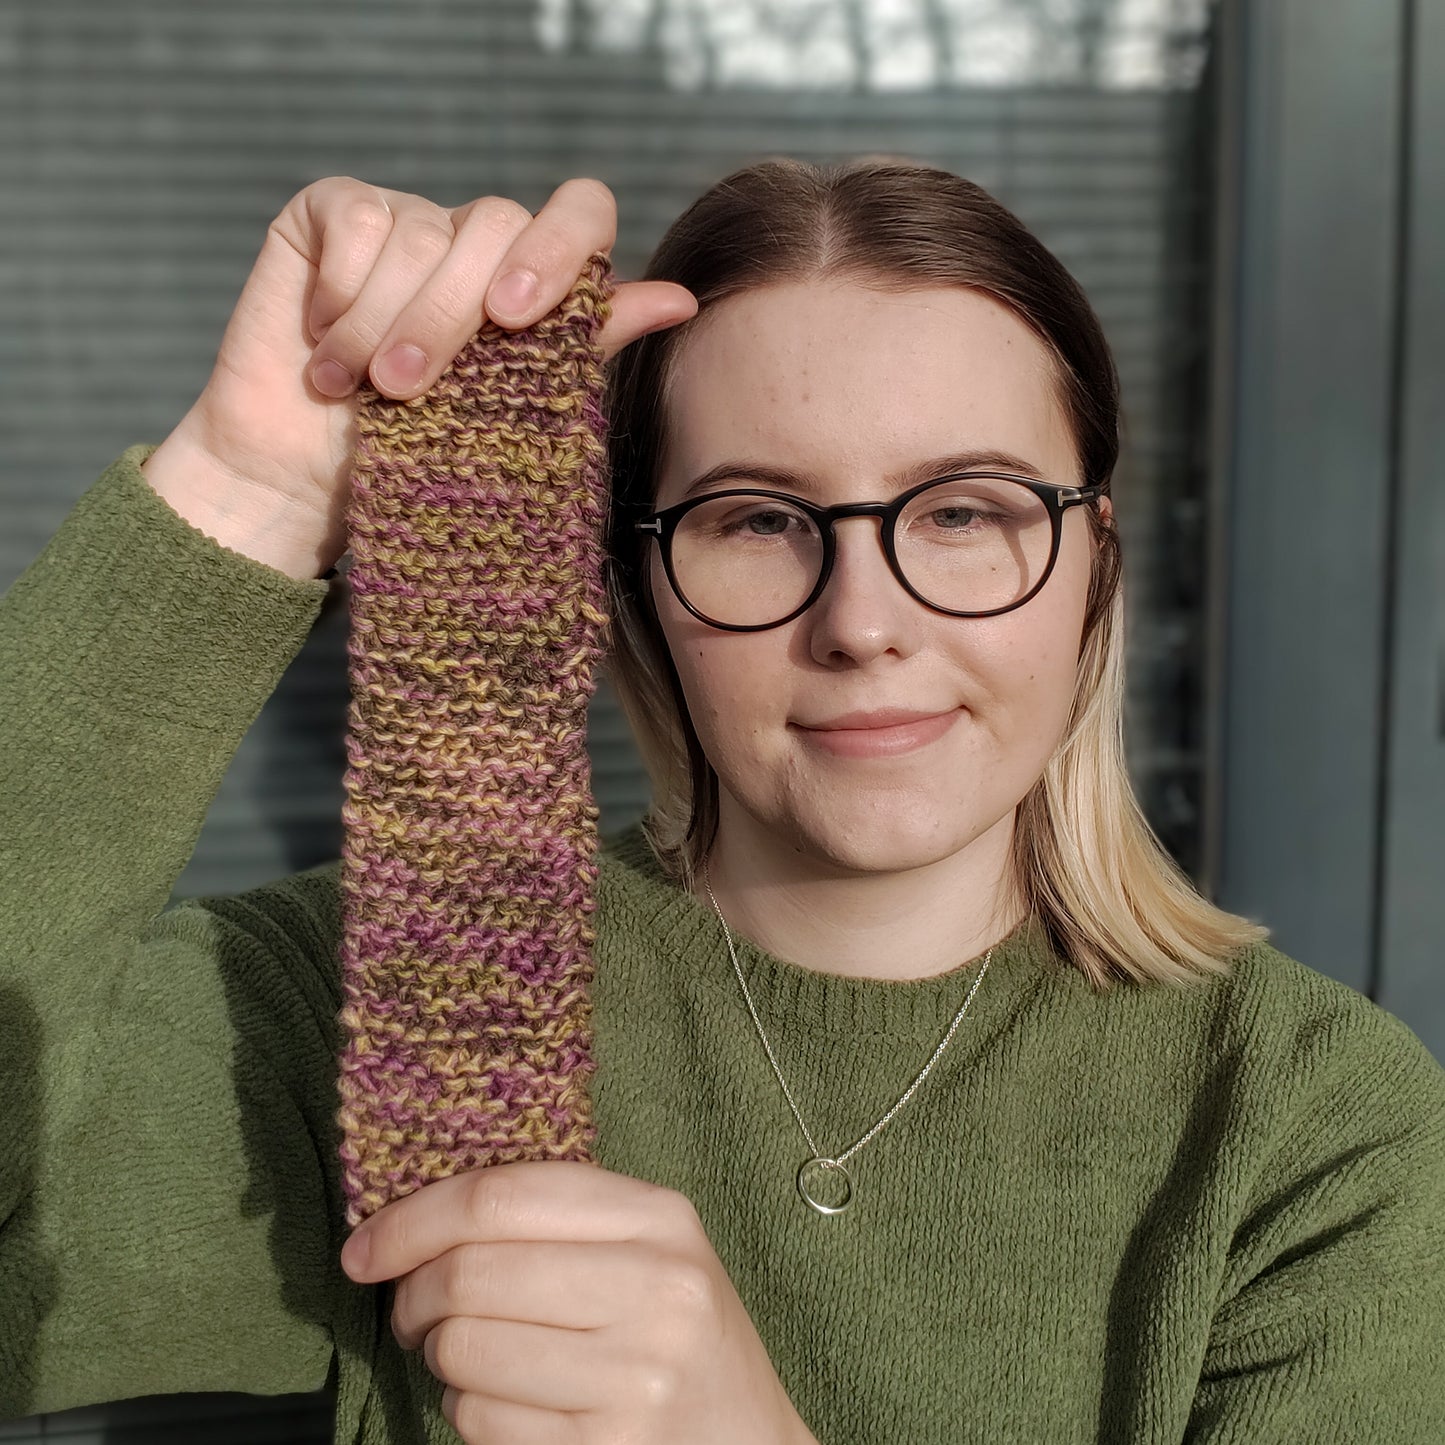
x=847 y=388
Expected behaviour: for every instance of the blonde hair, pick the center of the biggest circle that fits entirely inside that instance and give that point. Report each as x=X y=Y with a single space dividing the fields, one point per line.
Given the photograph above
x=1087 y=865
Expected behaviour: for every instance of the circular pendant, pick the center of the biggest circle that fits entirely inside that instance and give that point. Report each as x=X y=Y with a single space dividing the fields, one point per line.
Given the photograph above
x=831 y=1167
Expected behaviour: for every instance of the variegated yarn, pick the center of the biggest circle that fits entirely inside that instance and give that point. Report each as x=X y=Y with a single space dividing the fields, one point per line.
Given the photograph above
x=470 y=831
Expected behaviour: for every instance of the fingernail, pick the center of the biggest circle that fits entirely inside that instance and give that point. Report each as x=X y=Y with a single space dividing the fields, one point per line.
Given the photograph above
x=330 y=378
x=355 y=1253
x=401 y=368
x=512 y=294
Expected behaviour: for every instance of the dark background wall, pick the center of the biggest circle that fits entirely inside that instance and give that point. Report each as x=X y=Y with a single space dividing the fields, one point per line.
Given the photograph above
x=1326 y=793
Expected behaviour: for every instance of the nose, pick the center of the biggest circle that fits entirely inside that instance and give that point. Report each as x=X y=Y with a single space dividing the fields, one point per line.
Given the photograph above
x=863 y=610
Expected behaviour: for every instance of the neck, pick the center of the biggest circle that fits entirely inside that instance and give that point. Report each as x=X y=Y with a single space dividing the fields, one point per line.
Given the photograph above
x=822 y=914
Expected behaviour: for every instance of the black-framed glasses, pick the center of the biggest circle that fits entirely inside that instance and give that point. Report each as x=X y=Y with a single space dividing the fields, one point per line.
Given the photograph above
x=970 y=544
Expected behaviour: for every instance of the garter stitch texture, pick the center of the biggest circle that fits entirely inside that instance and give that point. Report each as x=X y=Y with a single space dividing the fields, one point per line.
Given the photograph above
x=470 y=831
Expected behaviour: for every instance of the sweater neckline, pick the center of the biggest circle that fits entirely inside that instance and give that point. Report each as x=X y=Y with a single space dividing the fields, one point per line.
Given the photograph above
x=787 y=993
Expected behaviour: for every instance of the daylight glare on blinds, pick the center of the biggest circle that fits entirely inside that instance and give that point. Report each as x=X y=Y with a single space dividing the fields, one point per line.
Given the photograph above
x=149 y=143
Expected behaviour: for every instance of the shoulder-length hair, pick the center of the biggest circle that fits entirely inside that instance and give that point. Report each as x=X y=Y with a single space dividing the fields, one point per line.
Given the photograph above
x=1087 y=864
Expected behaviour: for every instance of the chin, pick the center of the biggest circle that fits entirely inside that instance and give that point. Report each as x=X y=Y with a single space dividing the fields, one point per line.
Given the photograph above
x=898 y=841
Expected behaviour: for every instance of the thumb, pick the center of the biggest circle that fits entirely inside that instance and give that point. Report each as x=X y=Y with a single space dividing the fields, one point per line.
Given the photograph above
x=642 y=306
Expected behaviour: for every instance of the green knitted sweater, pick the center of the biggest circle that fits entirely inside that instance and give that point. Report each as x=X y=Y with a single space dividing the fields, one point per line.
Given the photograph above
x=1158 y=1215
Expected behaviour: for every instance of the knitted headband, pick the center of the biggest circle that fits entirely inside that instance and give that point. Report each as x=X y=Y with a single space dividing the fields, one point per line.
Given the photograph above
x=470 y=831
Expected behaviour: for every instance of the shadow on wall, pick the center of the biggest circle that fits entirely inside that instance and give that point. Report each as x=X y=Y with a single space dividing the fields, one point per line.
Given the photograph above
x=305 y=742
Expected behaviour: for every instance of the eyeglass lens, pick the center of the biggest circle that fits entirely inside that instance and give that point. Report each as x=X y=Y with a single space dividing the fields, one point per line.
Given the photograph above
x=967 y=545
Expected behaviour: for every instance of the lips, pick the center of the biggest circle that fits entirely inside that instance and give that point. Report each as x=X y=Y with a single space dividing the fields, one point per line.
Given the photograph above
x=885 y=733
x=881 y=718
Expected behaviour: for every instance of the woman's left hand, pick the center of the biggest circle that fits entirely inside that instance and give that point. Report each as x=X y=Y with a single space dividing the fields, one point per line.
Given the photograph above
x=561 y=1302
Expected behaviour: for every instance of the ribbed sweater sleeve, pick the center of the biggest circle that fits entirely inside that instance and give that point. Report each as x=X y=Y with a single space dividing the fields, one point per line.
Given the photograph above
x=155 y=1235
x=1331 y=1320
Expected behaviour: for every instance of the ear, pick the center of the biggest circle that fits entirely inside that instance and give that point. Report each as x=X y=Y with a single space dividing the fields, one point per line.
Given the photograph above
x=1106 y=508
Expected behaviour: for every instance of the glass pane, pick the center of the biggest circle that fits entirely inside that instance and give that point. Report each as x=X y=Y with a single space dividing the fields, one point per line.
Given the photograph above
x=746 y=560
x=974 y=545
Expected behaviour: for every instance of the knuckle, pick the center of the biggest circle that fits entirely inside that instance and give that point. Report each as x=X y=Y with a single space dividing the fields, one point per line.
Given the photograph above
x=345 y=197
x=400 y=1322
x=688 y=1290
x=470 y=1276
x=543 y=258
x=321 y=187
x=656 y=1384
x=590 y=188
x=487 y=1202
x=468 y=1419
x=675 y=1207
x=501 y=215
x=366 y=214
x=445 y=1349
x=425 y=241
x=431 y=319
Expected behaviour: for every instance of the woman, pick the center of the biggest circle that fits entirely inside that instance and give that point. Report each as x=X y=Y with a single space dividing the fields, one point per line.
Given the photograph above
x=932 y=1104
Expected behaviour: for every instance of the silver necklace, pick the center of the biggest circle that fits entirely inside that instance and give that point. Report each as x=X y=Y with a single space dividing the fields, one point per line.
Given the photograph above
x=818 y=1160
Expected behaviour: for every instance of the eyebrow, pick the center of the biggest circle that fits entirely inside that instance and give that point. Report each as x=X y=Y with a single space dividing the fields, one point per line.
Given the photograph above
x=787 y=480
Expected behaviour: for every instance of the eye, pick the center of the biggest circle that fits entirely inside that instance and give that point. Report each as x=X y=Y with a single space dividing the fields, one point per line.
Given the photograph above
x=741 y=519
x=766 y=522
x=956 y=516
x=960 y=518
x=971 y=510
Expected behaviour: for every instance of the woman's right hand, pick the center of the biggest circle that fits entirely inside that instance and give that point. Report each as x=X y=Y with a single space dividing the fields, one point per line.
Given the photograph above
x=353 y=282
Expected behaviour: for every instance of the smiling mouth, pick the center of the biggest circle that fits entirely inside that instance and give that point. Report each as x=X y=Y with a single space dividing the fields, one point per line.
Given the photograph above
x=890 y=740
x=884 y=717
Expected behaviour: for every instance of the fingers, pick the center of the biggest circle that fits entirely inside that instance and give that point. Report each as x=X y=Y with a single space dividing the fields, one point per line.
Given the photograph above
x=477 y=1417
x=402 y=284
x=541 y=266
x=524 y=1365
x=421 y=337
x=574 y=1286
x=350 y=223
x=531 y=1199
x=407 y=304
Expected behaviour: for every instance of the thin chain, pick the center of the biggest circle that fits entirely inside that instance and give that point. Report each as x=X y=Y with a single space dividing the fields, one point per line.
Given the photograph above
x=907 y=1093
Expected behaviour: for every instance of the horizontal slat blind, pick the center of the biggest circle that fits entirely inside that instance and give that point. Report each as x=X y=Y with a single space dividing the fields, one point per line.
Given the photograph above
x=147 y=146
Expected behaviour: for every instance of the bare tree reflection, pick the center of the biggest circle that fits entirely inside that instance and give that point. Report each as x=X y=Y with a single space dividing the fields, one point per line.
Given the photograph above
x=894 y=44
